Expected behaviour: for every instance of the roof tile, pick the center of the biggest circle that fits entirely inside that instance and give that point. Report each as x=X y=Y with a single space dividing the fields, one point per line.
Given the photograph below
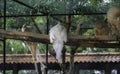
x=79 y=57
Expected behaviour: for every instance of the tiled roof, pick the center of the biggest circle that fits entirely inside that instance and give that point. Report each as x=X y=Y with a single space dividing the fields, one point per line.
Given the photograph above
x=79 y=57
x=97 y=57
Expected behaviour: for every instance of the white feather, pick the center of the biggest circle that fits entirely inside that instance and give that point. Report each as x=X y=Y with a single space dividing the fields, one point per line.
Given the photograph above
x=58 y=47
x=58 y=36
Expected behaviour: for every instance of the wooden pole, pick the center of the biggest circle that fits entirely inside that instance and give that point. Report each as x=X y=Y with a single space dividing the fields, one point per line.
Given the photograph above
x=73 y=40
x=15 y=69
x=63 y=65
x=107 y=69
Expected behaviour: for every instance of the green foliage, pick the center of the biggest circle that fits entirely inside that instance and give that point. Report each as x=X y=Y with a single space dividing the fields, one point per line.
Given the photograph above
x=80 y=49
x=40 y=20
x=15 y=47
x=95 y=3
x=18 y=47
x=1 y=47
x=42 y=48
x=58 y=7
x=68 y=48
x=89 y=32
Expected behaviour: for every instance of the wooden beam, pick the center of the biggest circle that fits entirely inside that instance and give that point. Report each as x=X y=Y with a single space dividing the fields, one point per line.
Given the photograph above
x=85 y=41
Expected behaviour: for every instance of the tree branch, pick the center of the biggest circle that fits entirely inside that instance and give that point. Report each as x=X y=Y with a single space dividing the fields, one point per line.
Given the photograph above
x=36 y=25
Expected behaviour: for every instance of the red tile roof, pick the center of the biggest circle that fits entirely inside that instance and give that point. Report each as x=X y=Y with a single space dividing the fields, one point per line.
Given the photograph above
x=79 y=57
x=97 y=57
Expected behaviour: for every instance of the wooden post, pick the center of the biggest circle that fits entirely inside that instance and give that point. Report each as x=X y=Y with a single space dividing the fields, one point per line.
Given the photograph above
x=76 y=70
x=15 y=69
x=118 y=71
x=107 y=69
x=63 y=66
x=71 y=70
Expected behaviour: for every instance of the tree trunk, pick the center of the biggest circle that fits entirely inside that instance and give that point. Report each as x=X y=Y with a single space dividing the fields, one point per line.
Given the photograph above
x=63 y=65
x=72 y=54
x=71 y=68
